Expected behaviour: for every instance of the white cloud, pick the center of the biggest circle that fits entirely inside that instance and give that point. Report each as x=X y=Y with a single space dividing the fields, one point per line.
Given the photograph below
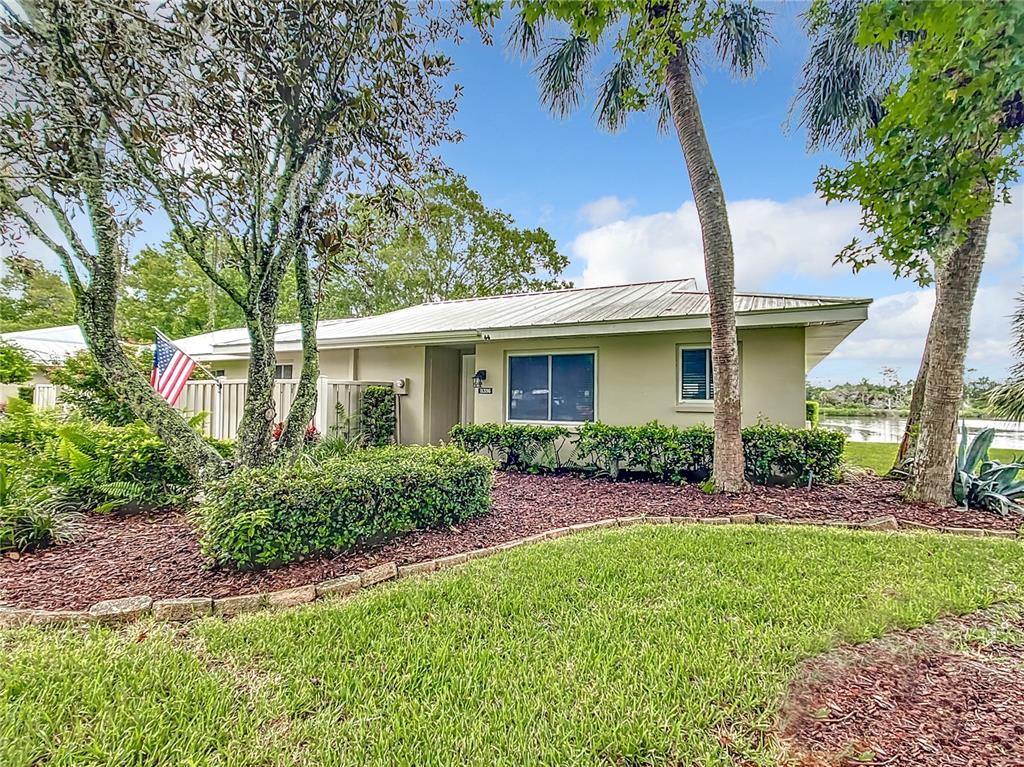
x=799 y=237
x=605 y=210
x=795 y=241
x=898 y=324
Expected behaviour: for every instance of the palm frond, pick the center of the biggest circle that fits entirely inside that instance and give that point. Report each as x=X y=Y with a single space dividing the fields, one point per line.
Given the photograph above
x=1007 y=399
x=664 y=111
x=742 y=37
x=524 y=39
x=844 y=85
x=562 y=73
x=611 y=108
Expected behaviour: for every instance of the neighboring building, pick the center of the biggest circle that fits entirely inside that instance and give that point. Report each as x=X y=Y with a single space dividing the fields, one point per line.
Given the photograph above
x=45 y=347
x=625 y=354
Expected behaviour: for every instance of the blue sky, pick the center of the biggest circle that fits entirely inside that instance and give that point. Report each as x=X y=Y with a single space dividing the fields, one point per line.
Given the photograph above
x=621 y=207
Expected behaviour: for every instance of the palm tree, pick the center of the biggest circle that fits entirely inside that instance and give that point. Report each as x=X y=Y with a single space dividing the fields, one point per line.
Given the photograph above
x=1007 y=400
x=740 y=37
x=840 y=98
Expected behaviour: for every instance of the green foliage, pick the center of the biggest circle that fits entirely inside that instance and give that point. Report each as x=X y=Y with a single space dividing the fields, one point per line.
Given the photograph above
x=84 y=388
x=31 y=296
x=950 y=140
x=449 y=245
x=1007 y=399
x=813 y=412
x=27 y=393
x=377 y=417
x=516 y=446
x=667 y=453
x=780 y=454
x=269 y=516
x=15 y=365
x=92 y=466
x=774 y=453
x=981 y=483
x=30 y=516
x=166 y=289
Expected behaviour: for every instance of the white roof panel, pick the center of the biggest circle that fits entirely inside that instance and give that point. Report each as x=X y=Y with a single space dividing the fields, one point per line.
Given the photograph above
x=48 y=346
x=469 y=319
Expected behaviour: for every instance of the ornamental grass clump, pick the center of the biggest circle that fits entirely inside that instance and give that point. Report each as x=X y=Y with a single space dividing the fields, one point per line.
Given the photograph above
x=269 y=516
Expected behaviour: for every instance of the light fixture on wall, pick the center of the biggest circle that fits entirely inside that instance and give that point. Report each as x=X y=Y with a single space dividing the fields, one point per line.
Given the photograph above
x=478 y=378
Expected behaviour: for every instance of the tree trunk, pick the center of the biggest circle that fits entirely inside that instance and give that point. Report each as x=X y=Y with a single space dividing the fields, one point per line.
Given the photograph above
x=304 y=405
x=259 y=413
x=908 y=445
x=719 y=267
x=96 y=309
x=931 y=478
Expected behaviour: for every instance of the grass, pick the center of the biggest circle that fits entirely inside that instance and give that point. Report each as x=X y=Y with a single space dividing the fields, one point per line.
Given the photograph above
x=649 y=645
x=878 y=456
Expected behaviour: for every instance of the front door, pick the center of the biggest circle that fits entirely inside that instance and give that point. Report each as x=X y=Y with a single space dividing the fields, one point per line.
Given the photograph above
x=468 y=393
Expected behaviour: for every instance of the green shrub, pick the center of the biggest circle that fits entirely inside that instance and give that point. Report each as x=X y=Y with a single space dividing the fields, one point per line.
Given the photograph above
x=377 y=418
x=669 y=453
x=31 y=517
x=268 y=516
x=15 y=365
x=94 y=466
x=27 y=393
x=515 y=446
x=85 y=389
x=781 y=454
x=813 y=413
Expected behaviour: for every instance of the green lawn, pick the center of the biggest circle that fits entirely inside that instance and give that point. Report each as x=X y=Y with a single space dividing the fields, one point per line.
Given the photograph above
x=652 y=645
x=878 y=456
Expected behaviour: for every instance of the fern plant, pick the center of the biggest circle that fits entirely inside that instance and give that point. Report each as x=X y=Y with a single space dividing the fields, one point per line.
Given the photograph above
x=31 y=516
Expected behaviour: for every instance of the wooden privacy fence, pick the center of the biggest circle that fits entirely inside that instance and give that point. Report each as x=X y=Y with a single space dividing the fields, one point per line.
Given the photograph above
x=337 y=409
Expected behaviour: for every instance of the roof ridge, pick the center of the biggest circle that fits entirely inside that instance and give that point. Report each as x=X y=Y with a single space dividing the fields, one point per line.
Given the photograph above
x=573 y=289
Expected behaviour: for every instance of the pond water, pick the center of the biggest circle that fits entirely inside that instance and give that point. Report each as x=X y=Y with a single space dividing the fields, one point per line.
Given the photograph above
x=1009 y=435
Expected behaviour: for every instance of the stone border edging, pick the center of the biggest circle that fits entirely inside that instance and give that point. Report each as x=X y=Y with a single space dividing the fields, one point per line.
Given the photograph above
x=189 y=608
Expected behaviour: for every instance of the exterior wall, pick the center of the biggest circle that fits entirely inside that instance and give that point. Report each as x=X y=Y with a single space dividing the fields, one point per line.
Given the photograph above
x=637 y=376
x=386 y=363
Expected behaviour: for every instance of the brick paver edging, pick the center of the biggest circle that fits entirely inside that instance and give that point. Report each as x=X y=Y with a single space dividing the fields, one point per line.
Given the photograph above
x=190 y=608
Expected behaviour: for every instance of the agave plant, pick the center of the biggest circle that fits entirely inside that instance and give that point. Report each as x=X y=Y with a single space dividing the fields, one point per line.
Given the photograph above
x=981 y=483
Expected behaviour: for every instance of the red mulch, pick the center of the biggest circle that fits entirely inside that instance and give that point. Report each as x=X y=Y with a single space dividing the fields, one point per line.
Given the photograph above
x=159 y=555
x=912 y=700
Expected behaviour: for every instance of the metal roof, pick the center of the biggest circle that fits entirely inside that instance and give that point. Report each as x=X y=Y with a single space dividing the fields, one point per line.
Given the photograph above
x=472 y=318
x=47 y=346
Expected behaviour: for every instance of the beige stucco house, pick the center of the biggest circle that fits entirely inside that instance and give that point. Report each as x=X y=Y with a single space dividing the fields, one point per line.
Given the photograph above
x=624 y=354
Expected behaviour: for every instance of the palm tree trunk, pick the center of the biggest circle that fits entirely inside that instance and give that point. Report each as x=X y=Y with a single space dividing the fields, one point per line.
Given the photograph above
x=908 y=445
x=931 y=478
x=719 y=268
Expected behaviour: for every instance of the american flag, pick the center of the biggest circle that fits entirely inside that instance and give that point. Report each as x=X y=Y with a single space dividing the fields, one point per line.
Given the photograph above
x=171 y=369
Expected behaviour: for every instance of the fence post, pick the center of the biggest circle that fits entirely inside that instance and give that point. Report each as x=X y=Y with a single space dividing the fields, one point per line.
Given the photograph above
x=217 y=410
x=323 y=396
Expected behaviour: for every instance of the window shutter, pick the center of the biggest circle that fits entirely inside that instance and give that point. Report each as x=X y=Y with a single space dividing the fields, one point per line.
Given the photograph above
x=696 y=378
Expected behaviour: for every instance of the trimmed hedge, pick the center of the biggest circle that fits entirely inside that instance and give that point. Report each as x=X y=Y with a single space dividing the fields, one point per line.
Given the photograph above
x=269 y=516
x=516 y=446
x=774 y=454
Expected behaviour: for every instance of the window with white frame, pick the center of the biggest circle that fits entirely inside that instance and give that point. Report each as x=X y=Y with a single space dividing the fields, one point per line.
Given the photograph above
x=551 y=387
x=282 y=372
x=696 y=380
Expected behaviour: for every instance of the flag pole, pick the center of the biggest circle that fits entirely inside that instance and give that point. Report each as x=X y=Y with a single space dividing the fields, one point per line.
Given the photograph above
x=198 y=364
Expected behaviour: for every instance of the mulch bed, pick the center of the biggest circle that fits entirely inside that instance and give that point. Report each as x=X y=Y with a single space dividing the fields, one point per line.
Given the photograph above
x=925 y=697
x=158 y=555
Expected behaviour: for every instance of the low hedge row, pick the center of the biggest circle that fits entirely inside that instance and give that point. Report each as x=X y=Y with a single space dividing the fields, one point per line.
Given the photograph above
x=773 y=453
x=269 y=516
